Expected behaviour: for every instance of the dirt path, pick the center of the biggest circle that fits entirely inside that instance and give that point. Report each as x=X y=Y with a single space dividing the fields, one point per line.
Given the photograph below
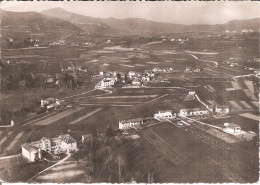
x=60 y=162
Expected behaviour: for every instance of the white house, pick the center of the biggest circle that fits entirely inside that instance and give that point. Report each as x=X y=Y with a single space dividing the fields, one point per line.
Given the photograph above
x=193 y=112
x=136 y=82
x=131 y=123
x=166 y=114
x=106 y=82
x=232 y=128
x=47 y=101
x=131 y=74
x=30 y=152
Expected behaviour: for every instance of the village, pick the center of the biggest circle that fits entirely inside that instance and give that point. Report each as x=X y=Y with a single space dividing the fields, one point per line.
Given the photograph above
x=94 y=100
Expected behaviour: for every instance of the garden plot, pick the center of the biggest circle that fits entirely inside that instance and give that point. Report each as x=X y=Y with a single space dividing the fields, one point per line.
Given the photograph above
x=155 y=63
x=236 y=85
x=168 y=61
x=223 y=136
x=210 y=88
x=234 y=104
x=212 y=102
x=256 y=103
x=139 y=65
x=250 y=116
x=230 y=89
x=250 y=85
x=125 y=65
x=246 y=105
x=18 y=136
x=58 y=116
x=126 y=61
x=163 y=147
x=250 y=94
x=86 y=116
x=3 y=140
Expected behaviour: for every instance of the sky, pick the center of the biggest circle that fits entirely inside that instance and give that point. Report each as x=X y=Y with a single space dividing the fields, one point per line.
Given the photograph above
x=168 y=11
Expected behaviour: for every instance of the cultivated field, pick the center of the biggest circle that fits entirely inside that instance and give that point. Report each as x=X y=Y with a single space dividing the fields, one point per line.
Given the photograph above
x=203 y=160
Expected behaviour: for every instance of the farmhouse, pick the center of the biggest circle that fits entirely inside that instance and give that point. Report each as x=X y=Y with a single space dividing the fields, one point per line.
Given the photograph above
x=59 y=144
x=30 y=152
x=193 y=112
x=166 y=114
x=232 y=128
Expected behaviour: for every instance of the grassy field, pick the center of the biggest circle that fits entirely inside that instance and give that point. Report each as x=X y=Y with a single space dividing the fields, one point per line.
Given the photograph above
x=204 y=162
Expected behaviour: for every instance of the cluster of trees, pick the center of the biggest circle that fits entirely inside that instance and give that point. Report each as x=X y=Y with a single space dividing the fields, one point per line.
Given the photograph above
x=27 y=80
x=108 y=160
x=71 y=80
x=19 y=42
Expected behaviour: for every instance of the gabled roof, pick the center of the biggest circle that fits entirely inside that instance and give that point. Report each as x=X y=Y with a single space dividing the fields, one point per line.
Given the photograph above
x=29 y=147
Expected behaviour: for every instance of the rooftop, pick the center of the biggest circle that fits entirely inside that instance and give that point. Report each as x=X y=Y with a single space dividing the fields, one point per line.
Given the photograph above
x=69 y=140
x=132 y=120
x=29 y=147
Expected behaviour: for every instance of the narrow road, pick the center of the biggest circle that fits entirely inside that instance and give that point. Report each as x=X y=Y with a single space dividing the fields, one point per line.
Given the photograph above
x=60 y=162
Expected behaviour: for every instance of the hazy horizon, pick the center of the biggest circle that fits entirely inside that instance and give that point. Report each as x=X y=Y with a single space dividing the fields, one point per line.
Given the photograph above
x=169 y=12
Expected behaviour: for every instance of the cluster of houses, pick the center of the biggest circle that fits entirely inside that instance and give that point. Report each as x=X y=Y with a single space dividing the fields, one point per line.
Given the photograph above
x=167 y=115
x=52 y=103
x=58 y=43
x=60 y=144
x=73 y=68
x=177 y=40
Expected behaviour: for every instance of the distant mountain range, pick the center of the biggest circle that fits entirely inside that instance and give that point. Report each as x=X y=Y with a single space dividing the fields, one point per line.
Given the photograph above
x=60 y=19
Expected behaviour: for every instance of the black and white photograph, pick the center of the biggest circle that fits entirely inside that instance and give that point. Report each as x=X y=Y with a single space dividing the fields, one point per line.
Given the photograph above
x=129 y=92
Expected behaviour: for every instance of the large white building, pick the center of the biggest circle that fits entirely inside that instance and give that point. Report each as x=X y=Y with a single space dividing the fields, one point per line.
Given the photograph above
x=106 y=82
x=166 y=114
x=193 y=112
x=59 y=144
x=131 y=123
x=30 y=152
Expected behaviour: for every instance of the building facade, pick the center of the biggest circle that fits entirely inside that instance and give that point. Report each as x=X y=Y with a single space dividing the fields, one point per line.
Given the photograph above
x=131 y=123
x=30 y=152
x=193 y=112
x=59 y=144
x=106 y=82
x=167 y=114
x=222 y=109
